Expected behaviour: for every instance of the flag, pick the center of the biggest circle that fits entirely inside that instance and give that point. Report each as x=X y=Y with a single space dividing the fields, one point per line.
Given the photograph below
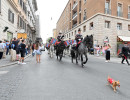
x=53 y=41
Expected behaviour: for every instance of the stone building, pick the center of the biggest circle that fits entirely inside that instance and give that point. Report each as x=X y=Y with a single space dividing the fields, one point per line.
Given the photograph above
x=106 y=20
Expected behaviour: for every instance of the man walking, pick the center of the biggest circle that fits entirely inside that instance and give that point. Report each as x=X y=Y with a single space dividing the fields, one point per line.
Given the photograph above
x=22 y=51
x=125 y=51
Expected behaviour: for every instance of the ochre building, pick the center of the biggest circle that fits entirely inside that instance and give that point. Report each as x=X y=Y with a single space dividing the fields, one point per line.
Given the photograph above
x=107 y=20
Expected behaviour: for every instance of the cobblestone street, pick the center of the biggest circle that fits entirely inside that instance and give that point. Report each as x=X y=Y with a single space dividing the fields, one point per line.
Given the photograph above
x=54 y=80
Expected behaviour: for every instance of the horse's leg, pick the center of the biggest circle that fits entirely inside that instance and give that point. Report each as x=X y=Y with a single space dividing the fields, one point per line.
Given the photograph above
x=82 y=60
x=76 y=57
x=86 y=59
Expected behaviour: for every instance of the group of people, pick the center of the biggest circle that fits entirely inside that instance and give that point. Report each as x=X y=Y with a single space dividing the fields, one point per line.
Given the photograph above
x=104 y=50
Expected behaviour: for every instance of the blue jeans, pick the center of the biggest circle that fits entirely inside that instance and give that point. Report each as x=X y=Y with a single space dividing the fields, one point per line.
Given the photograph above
x=7 y=51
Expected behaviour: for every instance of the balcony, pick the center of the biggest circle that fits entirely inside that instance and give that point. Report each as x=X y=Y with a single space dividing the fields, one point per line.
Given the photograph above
x=107 y=11
x=74 y=25
x=129 y=16
x=75 y=15
x=119 y=13
x=75 y=6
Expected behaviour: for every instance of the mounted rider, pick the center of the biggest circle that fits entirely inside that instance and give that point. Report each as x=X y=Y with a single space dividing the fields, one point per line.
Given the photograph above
x=78 y=38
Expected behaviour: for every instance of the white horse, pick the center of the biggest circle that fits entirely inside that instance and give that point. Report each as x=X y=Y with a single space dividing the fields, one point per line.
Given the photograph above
x=51 y=50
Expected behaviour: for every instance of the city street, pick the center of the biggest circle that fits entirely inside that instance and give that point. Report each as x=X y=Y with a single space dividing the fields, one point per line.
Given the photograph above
x=54 y=80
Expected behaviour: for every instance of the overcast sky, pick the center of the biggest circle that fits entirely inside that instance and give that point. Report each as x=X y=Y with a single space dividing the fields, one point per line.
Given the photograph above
x=48 y=9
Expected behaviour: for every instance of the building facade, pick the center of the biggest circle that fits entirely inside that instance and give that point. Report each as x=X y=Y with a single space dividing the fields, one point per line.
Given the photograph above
x=106 y=20
x=55 y=33
x=18 y=16
x=8 y=19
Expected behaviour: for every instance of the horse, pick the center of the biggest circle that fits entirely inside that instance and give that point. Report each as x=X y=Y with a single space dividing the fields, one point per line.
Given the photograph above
x=82 y=50
x=51 y=50
x=59 y=50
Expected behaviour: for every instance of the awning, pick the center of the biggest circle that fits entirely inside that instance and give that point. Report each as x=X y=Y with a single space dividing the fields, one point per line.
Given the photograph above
x=124 y=38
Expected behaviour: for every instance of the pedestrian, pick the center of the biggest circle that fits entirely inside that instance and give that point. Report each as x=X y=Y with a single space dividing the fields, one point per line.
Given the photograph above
x=22 y=51
x=4 y=53
x=125 y=51
x=101 y=51
x=108 y=48
x=33 y=46
x=18 y=51
x=1 y=49
x=97 y=49
x=38 y=52
x=15 y=44
x=7 y=47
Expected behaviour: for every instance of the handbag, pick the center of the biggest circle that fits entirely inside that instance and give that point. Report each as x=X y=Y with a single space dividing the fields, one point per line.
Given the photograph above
x=1 y=49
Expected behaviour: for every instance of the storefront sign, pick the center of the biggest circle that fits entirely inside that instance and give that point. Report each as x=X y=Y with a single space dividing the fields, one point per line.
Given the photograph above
x=22 y=35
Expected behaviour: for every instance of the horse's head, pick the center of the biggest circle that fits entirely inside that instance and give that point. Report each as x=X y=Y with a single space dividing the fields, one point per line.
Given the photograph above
x=88 y=41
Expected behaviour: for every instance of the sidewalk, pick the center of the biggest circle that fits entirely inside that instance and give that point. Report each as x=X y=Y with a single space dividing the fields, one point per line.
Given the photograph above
x=112 y=59
x=7 y=62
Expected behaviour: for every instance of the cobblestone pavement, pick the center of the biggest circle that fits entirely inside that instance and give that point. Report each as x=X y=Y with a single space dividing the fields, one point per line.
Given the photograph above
x=54 y=80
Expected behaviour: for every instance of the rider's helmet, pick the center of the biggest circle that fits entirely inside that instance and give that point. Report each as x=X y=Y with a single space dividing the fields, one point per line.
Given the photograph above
x=59 y=37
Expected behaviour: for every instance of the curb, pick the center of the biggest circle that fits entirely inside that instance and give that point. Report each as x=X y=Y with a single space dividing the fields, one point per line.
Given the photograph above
x=14 y=62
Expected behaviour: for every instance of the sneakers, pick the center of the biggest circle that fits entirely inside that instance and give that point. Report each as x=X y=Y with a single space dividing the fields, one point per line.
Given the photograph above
x=106 y=61
x=23 y=63
x=19 y=63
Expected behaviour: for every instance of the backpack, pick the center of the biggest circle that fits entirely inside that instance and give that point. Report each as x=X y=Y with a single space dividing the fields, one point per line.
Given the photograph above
x=13 y=46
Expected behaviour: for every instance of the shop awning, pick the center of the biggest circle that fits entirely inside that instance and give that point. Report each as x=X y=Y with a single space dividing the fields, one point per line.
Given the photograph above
x=124 y=38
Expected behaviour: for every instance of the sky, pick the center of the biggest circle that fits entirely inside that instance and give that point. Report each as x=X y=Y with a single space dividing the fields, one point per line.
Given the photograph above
x=49 y=9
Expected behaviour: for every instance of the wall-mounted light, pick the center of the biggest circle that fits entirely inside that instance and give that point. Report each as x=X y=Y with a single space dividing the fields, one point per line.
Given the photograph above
x=6 y=28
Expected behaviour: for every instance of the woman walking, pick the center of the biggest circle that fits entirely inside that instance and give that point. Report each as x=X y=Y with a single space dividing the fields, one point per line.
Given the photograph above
x=38 y=52
x=108 y=47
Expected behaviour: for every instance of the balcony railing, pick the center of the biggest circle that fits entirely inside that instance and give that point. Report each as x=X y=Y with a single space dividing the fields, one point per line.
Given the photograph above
x=107 y=11
x=119 y=13
x=74 y=25
x=74 y=5
x=74 y=15
x=129 y=16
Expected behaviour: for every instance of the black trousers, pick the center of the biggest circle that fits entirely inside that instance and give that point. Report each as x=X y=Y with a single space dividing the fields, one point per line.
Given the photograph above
x=1 y=55
x=123 y=58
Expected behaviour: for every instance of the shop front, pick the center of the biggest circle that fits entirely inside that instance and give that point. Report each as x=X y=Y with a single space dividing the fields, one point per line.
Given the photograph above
x=9 y=36
x=120 y=43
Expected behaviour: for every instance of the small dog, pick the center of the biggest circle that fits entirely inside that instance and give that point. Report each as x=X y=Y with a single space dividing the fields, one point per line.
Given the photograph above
x=113 y=83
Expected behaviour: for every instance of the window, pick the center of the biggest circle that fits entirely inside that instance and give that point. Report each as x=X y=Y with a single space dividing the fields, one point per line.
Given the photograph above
x=75 y=32
x=128 y=27
x=128 y=12
x=107 y=24
x=119 y=10
x=84 y=17
x=85 y=1
x=84 y=28
x=107 y=7
x=10 y=16
x=69 y=34
x=128 y=9
x=91 y=26
x=119 y=26
x=72 y=33
x=0 y=6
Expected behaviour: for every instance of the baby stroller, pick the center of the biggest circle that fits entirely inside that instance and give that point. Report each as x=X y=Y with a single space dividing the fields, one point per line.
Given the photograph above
x=91 y=51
